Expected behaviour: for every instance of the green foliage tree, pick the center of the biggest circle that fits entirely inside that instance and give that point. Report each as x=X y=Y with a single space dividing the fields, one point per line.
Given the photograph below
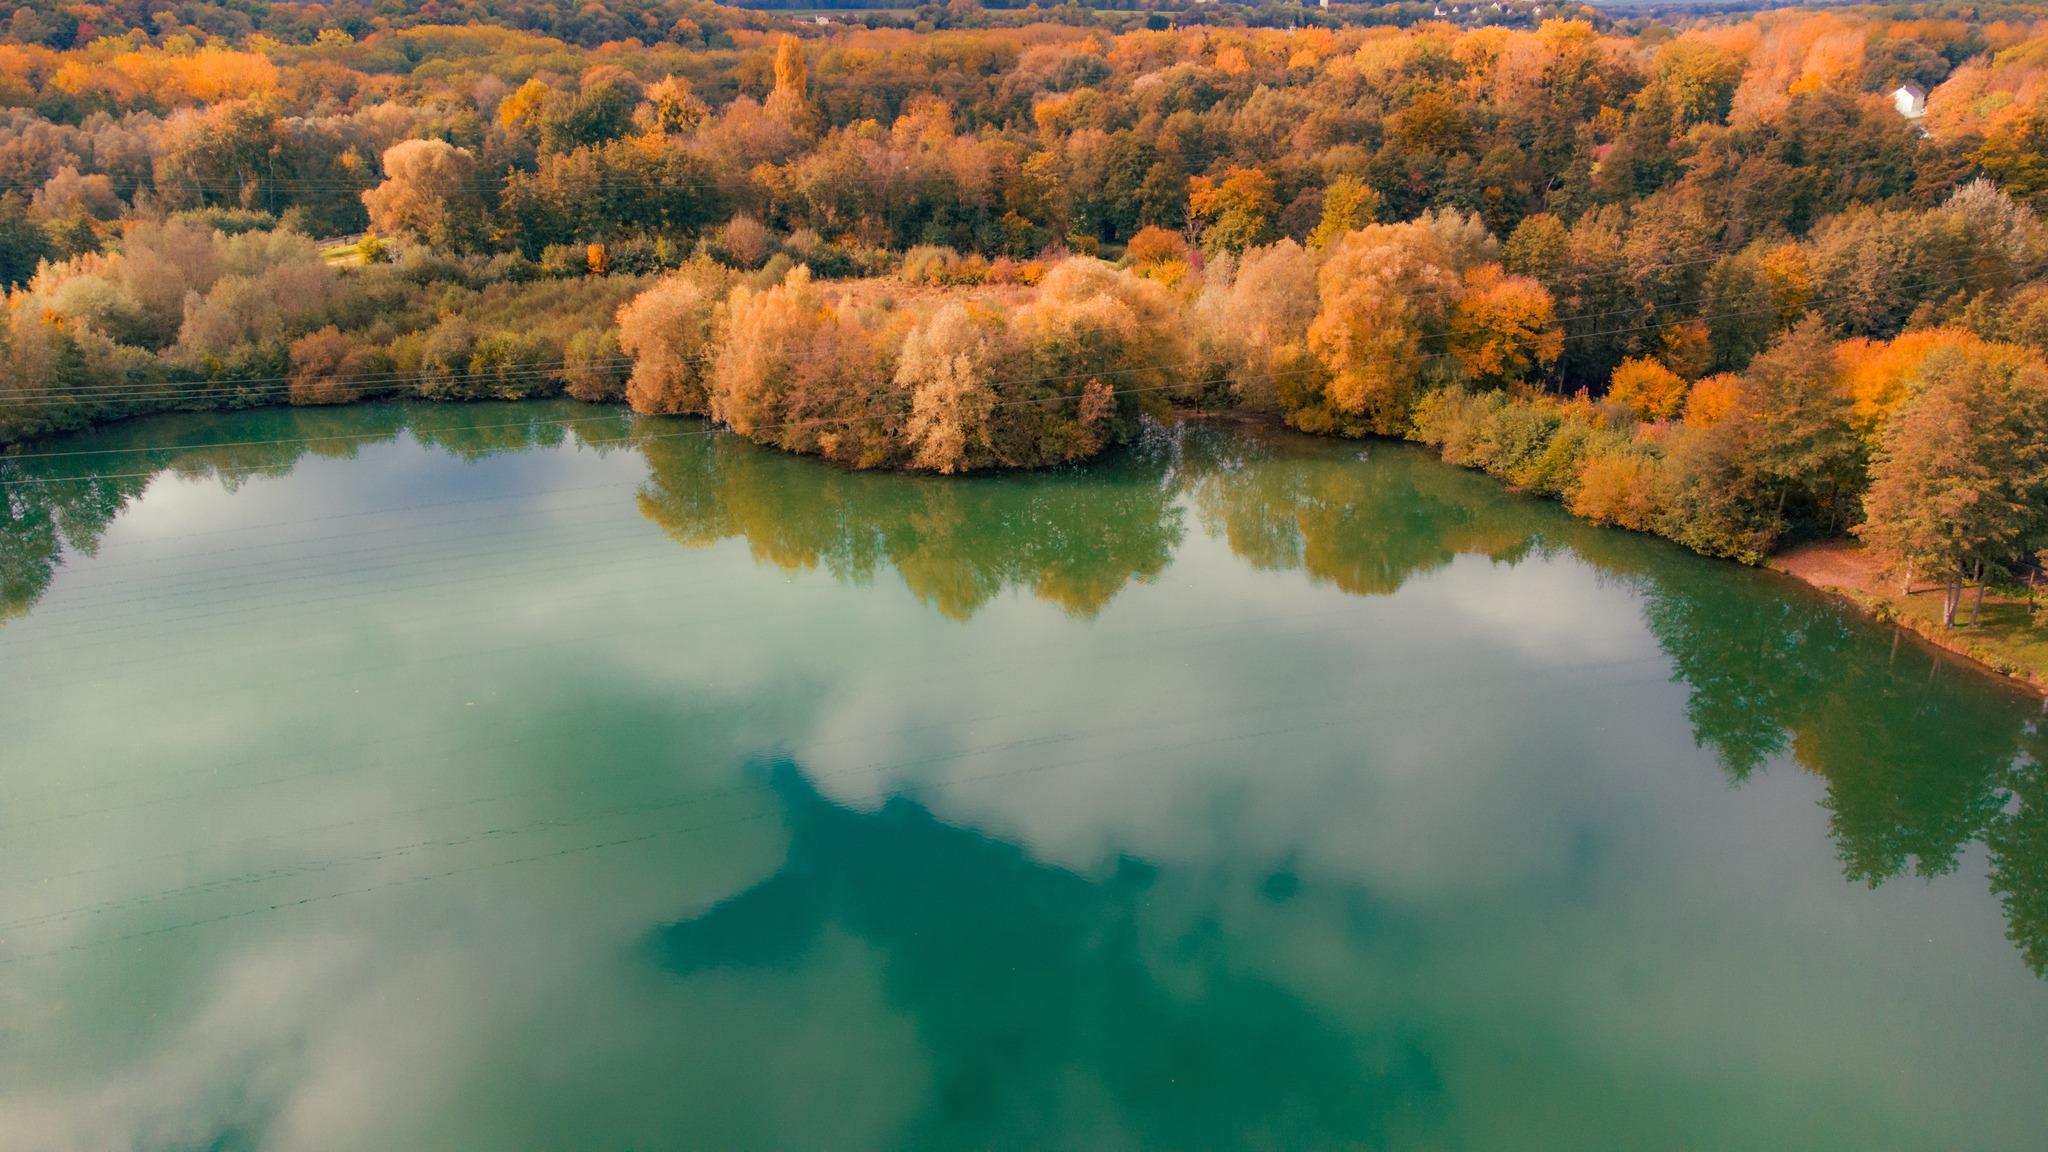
x=1794 y=409
x=600 y=110
x=1960 y=479
x=1783 y=455
x=22 y=243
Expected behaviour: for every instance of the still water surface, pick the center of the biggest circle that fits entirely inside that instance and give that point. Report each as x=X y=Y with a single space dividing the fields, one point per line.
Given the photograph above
x=510 y=777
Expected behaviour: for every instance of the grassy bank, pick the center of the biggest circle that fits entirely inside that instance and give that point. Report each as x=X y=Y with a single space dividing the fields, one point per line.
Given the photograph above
x=2005 y=638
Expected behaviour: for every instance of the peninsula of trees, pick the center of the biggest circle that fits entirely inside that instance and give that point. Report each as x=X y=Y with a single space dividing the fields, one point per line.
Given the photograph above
x=1735 y=279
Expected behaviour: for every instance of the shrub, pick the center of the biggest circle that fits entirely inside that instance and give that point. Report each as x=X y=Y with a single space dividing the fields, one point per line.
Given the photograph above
x=514 y=366
x=594 y=367
x=1618 y=488
x=328 y=367
x=1647 y=388
x=667 y=330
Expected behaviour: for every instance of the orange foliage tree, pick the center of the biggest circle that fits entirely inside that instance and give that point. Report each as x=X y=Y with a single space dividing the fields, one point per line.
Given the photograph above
x=1504 y=329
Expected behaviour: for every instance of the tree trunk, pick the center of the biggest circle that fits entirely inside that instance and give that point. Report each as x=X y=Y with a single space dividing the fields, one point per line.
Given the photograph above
x=1977 y=605
x=1950 y=594
x=1906 y=588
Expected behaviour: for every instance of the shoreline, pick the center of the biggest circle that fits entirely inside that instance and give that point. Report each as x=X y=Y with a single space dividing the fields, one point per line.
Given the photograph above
x=1841 y=569
x=2000 y=645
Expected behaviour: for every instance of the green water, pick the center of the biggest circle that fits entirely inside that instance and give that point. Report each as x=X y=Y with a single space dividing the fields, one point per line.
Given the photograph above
x=528 y=777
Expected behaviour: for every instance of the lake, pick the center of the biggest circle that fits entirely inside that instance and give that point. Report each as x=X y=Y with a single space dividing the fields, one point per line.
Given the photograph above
x=538 y=777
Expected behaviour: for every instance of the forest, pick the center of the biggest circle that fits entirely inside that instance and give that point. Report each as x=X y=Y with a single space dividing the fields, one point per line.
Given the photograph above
x=1740 y=279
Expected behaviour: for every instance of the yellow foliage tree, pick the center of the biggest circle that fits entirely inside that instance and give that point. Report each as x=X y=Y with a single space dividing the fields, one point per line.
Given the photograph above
x=1618 y=488
x=1095 y=348
x=1385 y=290
x=1236 y=207
x=1881 y=373
x=806 y=375
x=790 y=102
x=1647 y=388
x=1348 y=205
x=1790 y=280
x=429 y=192
x=525 y=103
x=1254 y=325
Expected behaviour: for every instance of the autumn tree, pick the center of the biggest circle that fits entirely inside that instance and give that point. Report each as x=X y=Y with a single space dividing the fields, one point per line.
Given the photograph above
x=328 y=367
x=790 y=102
x=2016 y=155
x=1503 y=329
x=807 y=374
x=1647 y=388
x=225 y=155
x=429 y=192
x=606 y=192
x=1096 y=349
x=1880 y=374
x=1711 y=399
x=271 y=285
x=1795 y=407
x=1348 y=205
x=668 y=330
x=601 y=110
x=1236 y=207
x=948 y=363
x=1782 y=451
x=1386 y=292
x=1153 y=247
x=1255 y=326
x=1959 y=482
x=671 y=108
x=1697 y=80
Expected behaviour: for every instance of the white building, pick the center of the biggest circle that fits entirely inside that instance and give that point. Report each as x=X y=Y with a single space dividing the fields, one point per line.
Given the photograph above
x=1911 y=100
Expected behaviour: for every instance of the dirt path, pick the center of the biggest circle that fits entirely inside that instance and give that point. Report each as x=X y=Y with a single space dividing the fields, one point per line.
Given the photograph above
x=2007 y=642
x=1838 y=564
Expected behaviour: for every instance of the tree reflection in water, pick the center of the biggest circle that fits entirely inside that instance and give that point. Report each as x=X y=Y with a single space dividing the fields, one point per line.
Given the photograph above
x=1037 y=980
x=1074 y=537
x=1920 y=755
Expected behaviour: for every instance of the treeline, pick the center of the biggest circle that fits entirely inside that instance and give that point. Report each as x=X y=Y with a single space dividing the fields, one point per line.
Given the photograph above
x=1722 y=281
x=1006 y=140
x=594 y=23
